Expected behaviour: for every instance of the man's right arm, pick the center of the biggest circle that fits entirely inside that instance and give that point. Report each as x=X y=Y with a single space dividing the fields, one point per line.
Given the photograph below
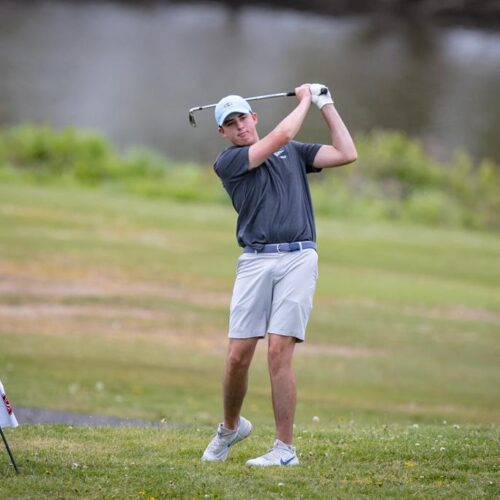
x=284 y=132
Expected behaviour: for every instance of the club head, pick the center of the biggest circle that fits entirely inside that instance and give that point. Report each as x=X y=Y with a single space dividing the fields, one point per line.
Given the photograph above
x=192 y=121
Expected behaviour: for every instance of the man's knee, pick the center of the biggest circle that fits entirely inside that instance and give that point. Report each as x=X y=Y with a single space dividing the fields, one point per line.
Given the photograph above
x=239 y=356
x=280 y=352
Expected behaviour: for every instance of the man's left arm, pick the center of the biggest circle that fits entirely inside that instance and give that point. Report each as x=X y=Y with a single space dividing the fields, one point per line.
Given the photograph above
x=342 y=149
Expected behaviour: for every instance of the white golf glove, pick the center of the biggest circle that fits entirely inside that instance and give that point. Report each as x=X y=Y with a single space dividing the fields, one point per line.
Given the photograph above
x=320 y=99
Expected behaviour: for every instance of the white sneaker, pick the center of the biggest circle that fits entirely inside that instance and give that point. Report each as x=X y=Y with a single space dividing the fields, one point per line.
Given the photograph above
x=218 y=448
x=279 y=454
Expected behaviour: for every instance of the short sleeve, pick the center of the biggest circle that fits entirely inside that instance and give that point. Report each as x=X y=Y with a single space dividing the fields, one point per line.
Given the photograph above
x=308 y=152
x=232 y=163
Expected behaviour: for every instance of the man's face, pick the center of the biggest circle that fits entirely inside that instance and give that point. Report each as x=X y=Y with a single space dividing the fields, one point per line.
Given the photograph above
x=240 y=129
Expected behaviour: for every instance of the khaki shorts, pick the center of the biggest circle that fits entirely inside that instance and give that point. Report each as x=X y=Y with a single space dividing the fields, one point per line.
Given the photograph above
x=273 y=293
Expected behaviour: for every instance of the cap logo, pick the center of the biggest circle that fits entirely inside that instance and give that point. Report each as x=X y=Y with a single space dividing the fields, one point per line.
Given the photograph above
x=230 y=104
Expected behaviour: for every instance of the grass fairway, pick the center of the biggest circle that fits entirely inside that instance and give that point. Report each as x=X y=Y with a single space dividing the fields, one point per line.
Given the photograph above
x=435 y=461
x=115 y=305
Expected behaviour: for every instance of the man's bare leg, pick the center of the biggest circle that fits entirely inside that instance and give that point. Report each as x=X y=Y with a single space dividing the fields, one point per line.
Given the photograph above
x=239 y=356
x=283 y=386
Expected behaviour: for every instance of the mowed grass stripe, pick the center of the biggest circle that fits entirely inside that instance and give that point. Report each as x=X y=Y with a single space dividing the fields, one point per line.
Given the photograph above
x=118 y=306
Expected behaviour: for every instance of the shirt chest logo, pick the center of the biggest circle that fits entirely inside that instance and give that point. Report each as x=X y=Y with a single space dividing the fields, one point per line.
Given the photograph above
x=281 y=153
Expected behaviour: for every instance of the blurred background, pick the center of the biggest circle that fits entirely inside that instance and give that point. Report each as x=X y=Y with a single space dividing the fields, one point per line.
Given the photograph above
x=133 y=69
x=118 y=252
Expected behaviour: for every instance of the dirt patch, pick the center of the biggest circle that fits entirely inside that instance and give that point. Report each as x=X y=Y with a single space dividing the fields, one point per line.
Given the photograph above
x=38 y=305
x=40 y=310
x=455 y=313
x=337 y=351
x=99 y=287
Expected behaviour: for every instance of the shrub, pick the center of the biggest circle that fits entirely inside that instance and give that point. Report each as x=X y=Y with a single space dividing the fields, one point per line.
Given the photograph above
x=393 y=178
x=434 y=208
x=41 y=148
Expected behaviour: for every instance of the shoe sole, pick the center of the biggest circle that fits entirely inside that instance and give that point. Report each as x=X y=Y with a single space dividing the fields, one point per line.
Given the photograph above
x=291 y=464
x=291 y=461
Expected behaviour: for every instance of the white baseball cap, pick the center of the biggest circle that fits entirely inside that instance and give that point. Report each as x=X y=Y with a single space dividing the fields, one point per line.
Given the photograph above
x=228 y=105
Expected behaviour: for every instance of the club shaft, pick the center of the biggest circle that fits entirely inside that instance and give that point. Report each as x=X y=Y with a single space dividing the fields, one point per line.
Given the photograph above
x=254 y=98
x=324 y=90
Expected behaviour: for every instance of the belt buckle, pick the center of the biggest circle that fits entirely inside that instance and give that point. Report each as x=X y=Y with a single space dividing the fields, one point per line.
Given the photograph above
x=278 y=248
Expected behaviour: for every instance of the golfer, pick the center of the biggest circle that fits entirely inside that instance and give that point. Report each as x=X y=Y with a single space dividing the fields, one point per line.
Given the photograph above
x=277 y=271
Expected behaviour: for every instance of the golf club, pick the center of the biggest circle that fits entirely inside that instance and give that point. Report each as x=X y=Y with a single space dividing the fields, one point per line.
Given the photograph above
x=192 y=121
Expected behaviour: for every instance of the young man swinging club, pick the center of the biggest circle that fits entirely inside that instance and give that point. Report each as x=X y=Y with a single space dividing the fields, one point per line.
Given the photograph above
x=277 y=272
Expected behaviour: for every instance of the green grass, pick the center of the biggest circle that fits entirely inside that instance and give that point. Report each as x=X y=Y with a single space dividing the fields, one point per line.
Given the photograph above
x=343 y=461
x=394 y=178
x=116 y=305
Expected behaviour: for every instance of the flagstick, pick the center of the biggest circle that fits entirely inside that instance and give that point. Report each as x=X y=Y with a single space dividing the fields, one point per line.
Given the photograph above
x=8 y=450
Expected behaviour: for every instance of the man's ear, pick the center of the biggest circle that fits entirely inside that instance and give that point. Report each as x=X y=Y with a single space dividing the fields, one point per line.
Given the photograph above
x=255 y=118
x=221 y=131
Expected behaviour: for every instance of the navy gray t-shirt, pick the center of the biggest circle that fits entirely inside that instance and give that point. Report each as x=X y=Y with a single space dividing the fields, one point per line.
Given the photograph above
x=273 y=201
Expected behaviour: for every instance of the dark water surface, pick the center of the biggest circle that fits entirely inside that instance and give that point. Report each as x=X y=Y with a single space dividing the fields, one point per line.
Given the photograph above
x=133 y=72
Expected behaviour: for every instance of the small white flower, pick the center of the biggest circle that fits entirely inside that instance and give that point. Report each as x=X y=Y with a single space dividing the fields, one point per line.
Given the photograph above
x=456 y=426
x=281 y=484
x=315 y=418
x=416 y=426
x=74 y=465
x=99 y=386
x=445 y=422
x=442 y=448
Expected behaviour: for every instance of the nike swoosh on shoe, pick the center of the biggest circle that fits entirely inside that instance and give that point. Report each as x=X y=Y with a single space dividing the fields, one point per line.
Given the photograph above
x=286 y=462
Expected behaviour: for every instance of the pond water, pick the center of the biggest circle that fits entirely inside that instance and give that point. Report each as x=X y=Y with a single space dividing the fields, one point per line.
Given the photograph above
x=133 y=72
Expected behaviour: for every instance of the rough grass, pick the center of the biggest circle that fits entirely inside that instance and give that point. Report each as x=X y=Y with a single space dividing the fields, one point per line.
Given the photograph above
x=343 y=461
x=115 y=305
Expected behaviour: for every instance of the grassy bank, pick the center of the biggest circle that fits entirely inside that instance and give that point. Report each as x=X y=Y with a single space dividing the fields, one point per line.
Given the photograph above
x=394 y=179
x=116 y=304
